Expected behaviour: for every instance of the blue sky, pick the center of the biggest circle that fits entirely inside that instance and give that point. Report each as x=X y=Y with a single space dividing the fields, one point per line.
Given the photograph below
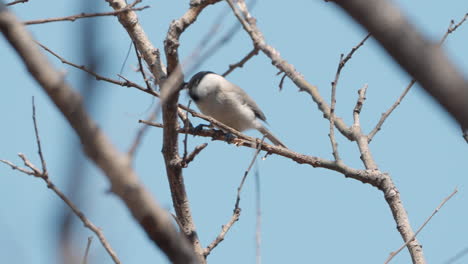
x=308 y=215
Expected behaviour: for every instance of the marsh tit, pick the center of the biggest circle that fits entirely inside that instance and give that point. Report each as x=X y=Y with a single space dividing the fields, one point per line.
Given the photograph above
x=228 y=103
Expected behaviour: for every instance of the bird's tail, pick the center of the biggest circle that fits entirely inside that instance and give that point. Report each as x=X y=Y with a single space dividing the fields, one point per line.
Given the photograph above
x=267 y=133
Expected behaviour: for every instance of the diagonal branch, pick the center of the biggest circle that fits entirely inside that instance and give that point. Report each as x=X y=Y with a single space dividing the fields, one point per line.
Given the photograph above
x=86 y=15
x=241 y=63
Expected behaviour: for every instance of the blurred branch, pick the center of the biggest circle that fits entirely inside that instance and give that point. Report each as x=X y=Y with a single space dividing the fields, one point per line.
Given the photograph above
x=16 y=2
x=85 y=15
x=393 y=254
x=124 y=182
x=88 y=245
x=419 y=57
x=139 y=136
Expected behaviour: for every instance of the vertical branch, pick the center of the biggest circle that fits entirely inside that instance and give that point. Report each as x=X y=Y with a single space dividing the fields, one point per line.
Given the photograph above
x=170 y=96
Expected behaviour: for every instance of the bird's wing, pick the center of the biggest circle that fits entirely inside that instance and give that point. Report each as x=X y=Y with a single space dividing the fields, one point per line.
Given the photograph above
x=246 y=99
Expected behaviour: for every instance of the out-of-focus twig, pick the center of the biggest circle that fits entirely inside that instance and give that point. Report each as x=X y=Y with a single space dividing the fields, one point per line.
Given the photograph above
x=17 y=2
x=88 y=246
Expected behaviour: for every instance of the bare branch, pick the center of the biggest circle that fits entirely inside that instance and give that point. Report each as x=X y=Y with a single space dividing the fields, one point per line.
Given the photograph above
x=353 y=50
x=331 y=134
x=150 y=54
x=389 y=111
x=190 y=157
x=241 y=63
x=452 y=27
x=249 y=25
x=15 y=167
x=393 y=254
x=84 y=15
x=169 y=98
x=359 y=104
x=38 y=140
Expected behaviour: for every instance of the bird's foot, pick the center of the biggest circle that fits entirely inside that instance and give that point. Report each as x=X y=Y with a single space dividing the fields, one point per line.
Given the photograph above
x=230 y=137
x=199 y=128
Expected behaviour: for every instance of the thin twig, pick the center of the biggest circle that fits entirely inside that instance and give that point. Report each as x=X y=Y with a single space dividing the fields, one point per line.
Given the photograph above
x=38 y=140
x=237 y=210
x=393 y=254
x=239 y=189
x=331 y=134
x=16 y=2
x=190 y=157
x=126 y=83
x=241 y=63
x=88 y=245
x=141 y=69
x=281 y=83
x=389 y=111
x=72 y=18
x=15 y=167
x=452 y=27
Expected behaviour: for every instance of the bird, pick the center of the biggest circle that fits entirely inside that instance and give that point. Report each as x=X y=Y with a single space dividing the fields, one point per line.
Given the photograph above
x=228 y=103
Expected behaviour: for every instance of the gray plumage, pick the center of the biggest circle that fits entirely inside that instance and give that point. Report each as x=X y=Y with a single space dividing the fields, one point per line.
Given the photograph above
x=228 y=103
